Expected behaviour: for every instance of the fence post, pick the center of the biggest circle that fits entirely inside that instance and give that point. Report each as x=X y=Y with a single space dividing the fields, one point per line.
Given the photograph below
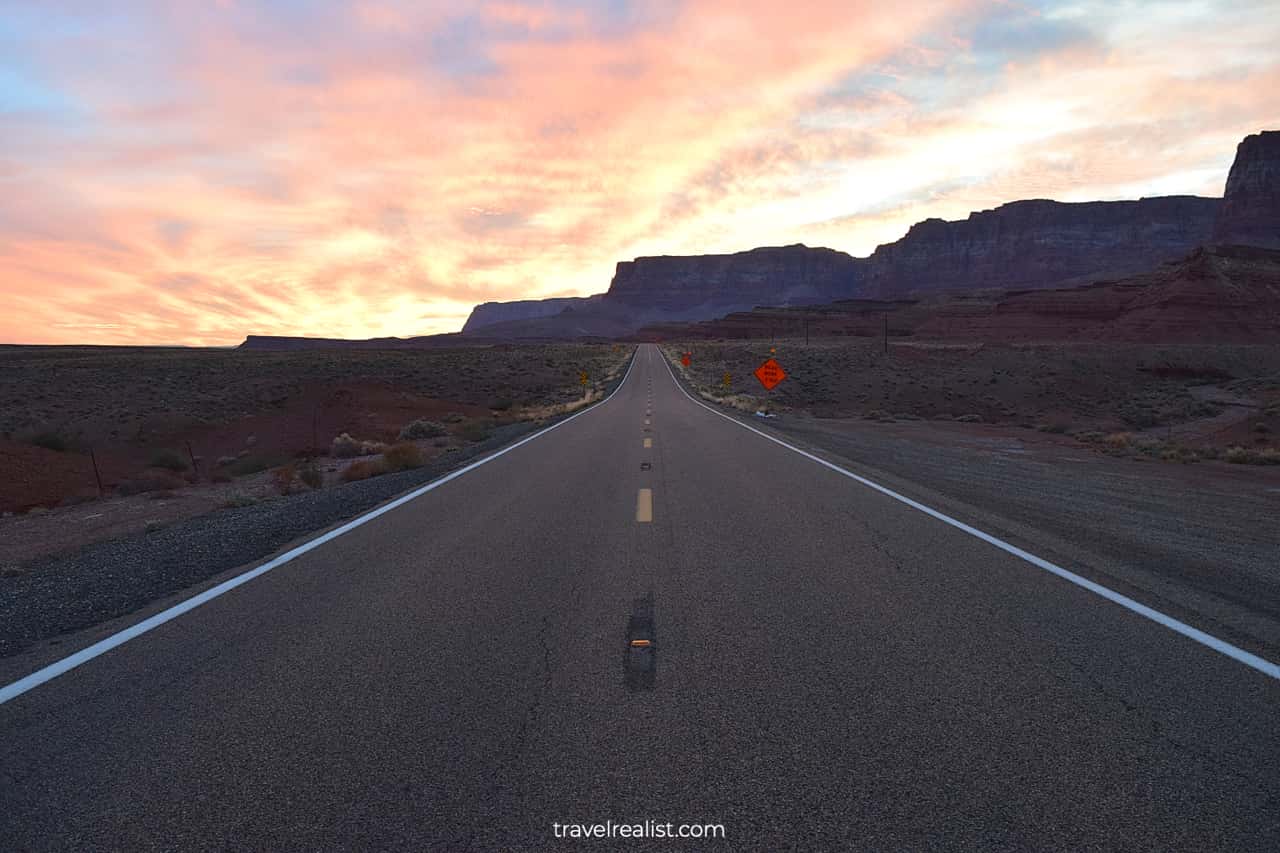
x=97 y=476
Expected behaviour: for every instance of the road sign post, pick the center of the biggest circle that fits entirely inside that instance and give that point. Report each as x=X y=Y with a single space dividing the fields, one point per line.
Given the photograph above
x=769 y=375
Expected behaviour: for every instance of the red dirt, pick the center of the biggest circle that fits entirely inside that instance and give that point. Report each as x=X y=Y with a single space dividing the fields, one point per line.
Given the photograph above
x=35 y=476
x=311 y=420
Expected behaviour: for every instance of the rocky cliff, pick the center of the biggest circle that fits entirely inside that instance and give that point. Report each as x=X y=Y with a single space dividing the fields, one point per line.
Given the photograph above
x=1039 y=243
x=1250 y=213
x=1024 y=244
x=492 y=313
x=784 y=275
x=1215 y=295
x=1218 y=294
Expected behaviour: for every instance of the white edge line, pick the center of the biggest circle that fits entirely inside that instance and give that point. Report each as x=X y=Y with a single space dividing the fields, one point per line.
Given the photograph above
x=53 y=670
x=1249 y=659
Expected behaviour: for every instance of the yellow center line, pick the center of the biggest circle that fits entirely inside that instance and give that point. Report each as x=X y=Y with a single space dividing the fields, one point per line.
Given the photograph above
x=644 y=505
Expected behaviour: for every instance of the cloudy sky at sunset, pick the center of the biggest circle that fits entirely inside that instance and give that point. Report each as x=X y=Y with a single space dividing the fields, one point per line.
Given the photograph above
x=190 y=172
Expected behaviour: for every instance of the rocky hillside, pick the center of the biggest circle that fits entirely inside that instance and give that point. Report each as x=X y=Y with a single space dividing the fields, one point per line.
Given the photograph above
x=1216 y=295
x=1038 y=243
x=1250 y=212
x=1225 y=294
x=493 y=313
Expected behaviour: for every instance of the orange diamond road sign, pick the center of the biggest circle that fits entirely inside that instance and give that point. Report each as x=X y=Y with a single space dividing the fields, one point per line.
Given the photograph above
x=685 y=359
x=770 y=374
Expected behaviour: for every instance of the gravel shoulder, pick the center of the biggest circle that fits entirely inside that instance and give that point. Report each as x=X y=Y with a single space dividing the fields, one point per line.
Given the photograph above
x=1197 y=541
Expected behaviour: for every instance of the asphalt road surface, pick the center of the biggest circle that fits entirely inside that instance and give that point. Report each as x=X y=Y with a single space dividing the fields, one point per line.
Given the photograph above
x=827 y=668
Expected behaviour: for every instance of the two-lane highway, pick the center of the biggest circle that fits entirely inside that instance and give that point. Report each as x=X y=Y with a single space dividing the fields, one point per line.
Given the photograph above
x=829 y=668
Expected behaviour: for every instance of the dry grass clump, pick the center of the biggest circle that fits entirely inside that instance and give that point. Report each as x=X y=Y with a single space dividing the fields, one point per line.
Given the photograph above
x=310 y=474
x=398 y=457
x=362 y=469
x=1118 y=440
x=420 y=429
x=474 y=431
x=1244 y=456
x=285 y=479
x=346 y=447
x=402 y=457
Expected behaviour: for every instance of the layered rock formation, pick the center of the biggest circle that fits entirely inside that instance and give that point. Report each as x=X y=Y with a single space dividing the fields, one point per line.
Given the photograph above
x=1225 y=294
x=1250 y=213
x=492 y=313
x=1024 y=244
x=1039 y=243
x=281 y=343
x=703 y=284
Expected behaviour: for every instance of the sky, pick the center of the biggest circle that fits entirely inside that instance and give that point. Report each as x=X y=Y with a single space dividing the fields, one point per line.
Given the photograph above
x=193 y=172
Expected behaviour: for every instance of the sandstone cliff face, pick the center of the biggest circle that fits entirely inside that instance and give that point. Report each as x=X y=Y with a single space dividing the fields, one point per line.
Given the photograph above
x=1039 y=243
x=1221 y=294
x=1216 y=295
x=492 y=313
x=704 y=284
x=1250 y=214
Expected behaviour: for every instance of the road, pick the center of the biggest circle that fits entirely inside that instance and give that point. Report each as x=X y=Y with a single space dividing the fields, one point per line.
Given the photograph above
x=834 y=669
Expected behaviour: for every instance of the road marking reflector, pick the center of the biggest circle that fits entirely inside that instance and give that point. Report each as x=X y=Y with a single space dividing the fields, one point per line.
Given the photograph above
x=644 y=505
x=641 y=644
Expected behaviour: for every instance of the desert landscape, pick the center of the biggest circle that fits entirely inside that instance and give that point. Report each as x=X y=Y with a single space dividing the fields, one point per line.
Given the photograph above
x=1145 y=330
x=184 y=430
x=690 y=426
x=1183 y=403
